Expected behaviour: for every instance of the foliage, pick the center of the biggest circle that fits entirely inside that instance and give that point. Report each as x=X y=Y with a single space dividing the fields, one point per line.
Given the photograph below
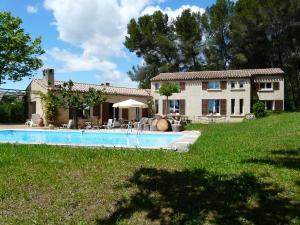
x=76 y=100
x=51 y=103
x=189 y=35
x=244 y=34
x=216 y=22
x=240 y=173
x=19 y=54
x=167 y=89
x=259 y=109
x=12 y=109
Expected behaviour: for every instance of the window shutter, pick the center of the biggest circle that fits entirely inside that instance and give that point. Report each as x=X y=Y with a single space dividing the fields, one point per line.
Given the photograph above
x=182 y=107
x=278 y=105
x=164 y=106
x=256 y=85
x=223 y=85
x=96 y=110
x=144 y=112
x=182 y=86
x=223 y=107
x=204 y=106
x=276 y=86
x=204 y=85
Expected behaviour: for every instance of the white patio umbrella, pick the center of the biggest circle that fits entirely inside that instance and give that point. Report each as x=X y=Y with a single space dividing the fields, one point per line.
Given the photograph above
x=130 y=103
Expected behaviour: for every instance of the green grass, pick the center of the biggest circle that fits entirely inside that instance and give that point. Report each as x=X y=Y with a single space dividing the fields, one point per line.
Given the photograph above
x=244 y=173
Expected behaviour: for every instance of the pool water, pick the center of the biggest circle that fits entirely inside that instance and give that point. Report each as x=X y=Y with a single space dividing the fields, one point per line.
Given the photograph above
x=89 y=138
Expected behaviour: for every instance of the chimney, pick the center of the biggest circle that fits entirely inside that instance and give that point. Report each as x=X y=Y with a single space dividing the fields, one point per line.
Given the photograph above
x=48 y=77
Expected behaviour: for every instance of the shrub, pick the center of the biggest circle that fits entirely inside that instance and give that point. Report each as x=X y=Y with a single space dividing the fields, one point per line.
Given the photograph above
x=259 y=109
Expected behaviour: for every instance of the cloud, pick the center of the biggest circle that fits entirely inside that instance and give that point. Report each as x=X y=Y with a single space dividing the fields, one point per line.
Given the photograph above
x=106 y=70
x=98 y=28
x=33 y=9
x=170 y=12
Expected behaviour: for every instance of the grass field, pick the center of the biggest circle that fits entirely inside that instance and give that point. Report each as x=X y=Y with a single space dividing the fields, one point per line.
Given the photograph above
x=245 y=173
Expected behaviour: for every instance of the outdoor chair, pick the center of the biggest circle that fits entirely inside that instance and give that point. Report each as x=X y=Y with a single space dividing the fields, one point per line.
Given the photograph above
x=110 y=124
x=140 y=125
x=67 y=125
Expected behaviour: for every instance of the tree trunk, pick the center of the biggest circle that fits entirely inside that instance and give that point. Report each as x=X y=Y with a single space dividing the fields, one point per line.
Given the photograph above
x=75 y=118
x=167 y=108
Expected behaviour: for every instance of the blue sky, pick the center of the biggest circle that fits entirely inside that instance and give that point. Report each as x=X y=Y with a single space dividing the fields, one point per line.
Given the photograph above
x=83 y=38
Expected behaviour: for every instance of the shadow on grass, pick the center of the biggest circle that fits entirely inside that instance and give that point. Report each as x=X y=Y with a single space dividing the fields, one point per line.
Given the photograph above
x=196 y=197
x=281 y=158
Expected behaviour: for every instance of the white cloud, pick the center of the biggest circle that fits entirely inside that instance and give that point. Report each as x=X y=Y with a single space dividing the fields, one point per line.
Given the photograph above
x=106 y=70
x=33 y=9
x=98 y=27
x=170 y=12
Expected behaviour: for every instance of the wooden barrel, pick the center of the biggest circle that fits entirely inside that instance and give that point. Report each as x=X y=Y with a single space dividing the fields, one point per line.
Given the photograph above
x=154 y=122
x=163 y=125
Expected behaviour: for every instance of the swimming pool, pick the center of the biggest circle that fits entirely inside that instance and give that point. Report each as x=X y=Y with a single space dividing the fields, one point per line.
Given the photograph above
x=90 y=138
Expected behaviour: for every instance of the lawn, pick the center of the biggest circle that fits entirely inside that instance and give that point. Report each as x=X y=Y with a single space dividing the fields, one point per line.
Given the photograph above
x=244 y=173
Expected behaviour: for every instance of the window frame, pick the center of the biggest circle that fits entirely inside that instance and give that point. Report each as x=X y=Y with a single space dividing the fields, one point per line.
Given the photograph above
x=232 y=106
x=241 y=84
x=156 y=106
x=263 y=86
x=214 y=87
x=156 y=86
x=214 y=105
x=232 y=84
x=242 y=110
x=174 y=105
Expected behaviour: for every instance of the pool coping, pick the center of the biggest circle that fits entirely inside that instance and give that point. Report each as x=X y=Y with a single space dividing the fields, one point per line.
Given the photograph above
x=179 y=145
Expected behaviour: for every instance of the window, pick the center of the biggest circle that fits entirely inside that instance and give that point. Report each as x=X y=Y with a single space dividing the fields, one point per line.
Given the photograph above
x=174 y=106
x=232 y=106
x=232 y=84
x=242 y=83
x=213 y=106
x=266 y=85
x=241 y=106
x=156 y=106
x=269 y=105
x=214 y=85
x=156 y=86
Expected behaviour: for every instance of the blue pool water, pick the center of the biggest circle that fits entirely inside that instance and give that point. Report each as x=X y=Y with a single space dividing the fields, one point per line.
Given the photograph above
x=143 y=140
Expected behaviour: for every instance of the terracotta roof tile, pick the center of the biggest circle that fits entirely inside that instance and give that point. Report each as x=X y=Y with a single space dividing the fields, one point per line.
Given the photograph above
x=200 y=75
x=107 y=89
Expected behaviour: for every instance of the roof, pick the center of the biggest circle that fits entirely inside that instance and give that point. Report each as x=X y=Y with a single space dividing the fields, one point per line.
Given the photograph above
x=107 y=89
x=200 y=75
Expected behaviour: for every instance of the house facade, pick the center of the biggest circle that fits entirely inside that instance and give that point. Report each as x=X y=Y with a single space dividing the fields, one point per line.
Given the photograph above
x=220 y=95
x=204 y=96
x=97 y=114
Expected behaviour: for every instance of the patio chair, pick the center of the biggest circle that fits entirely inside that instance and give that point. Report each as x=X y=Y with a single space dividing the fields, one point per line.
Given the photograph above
x=140 y=125
x=67 y=125
x=108 y=125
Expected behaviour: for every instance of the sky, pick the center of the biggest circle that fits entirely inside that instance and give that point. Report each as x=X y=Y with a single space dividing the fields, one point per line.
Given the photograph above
x=83 y=39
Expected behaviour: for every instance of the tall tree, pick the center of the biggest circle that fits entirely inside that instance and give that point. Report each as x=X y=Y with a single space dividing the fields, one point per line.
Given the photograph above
x=216 y=22
x=189 y=34
x=152 y=38
x=19 y=54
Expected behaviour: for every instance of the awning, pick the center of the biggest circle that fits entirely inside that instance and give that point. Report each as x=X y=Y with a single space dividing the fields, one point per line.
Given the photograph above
x=130 y=103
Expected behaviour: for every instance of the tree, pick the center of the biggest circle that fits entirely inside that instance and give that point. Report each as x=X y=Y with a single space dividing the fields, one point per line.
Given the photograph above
x=76 y=100
x=168 y=89
x=189 y=35
x=216 y=22
x=151 y=37
x=19 y=54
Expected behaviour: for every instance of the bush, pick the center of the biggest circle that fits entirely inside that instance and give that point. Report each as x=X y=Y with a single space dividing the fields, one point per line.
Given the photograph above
x=259 y=109
x=12 y=110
